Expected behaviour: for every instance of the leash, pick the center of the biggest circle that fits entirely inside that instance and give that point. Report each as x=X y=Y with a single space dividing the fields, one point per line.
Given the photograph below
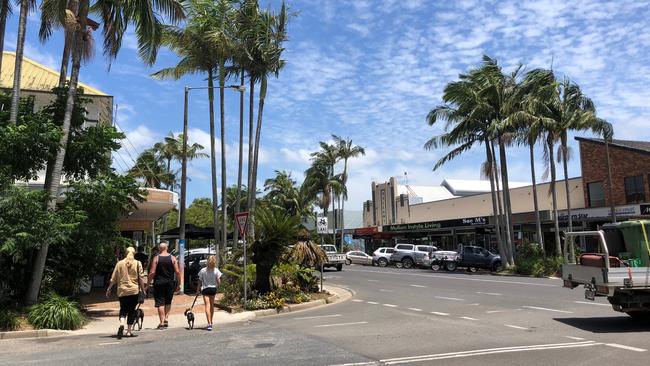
x=193 y=302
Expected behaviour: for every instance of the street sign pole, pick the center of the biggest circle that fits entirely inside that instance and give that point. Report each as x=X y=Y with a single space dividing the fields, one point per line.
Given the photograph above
x=321 y=228
x=241 y=218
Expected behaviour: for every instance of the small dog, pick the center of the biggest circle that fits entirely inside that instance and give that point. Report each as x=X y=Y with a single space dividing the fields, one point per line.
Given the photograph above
x=190 y=317
x=139 y=317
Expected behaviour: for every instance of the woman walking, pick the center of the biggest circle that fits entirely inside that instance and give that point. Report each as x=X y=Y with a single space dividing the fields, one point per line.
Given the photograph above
x=209 y=279
x=127 y=276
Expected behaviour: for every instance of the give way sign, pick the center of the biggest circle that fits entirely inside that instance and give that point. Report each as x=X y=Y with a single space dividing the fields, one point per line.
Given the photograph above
x=242 y=221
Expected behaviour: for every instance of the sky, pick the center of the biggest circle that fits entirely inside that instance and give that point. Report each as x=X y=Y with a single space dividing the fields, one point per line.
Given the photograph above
x=371 y=70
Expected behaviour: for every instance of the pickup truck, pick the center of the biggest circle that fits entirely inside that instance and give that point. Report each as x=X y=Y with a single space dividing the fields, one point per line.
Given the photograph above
x=334 y=259
x=468 y=256
x=625 y=277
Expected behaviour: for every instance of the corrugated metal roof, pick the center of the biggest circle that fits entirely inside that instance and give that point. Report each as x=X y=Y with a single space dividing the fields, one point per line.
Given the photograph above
x=34 y=76
x=427 y=193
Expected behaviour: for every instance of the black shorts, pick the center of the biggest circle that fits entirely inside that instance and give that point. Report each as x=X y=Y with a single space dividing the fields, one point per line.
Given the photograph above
x=163 y=293
x=210 y=291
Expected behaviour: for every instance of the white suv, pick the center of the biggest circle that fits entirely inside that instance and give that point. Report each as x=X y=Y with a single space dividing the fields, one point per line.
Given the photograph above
x=381 y=256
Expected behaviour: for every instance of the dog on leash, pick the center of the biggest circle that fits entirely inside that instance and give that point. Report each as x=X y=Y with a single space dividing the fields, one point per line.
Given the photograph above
x=190 y=317
x=139 y=317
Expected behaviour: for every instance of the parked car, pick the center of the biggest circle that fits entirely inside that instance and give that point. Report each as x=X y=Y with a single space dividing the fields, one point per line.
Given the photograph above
x=468 y=256
x=408 y=255
x=440 y=258
x=381 y=256
x=334 y=259
x=358 y=257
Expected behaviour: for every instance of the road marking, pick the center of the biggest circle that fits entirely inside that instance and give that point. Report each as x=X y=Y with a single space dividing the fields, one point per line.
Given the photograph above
x=418 y=286
x=373 y=280
x=592 y=303
x=515 y=327
x=547 y=309
x=449 y=298
x=415 y=309
x=372 y=303
x=319 y=316
x=456 y=278
x=474 y=304
x=390 y=305
x=625 y=347
x=494 y=311
x=357 y=300
x=108 y=343
x=575 y=338
x=487 y=351
x=338 y=324
x=489 y=293
x=468 y=318
x=356 y=364
x=384 y=290
x=439 y=313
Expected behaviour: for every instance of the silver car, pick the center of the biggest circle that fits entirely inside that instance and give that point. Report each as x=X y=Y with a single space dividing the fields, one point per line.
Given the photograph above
x=381 y=256
x=358 y=257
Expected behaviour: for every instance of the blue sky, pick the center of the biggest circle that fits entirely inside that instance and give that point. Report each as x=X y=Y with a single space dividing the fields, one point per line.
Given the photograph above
x=371 y=71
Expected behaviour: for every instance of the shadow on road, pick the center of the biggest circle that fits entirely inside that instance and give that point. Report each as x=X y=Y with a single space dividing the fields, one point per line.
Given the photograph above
x=612 y=324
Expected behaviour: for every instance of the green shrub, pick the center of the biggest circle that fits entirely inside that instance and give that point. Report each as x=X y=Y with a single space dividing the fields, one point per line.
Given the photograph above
x=531 y=261
x=293 y=273
x=9 y=320
x=56 y=312
x=271 y=300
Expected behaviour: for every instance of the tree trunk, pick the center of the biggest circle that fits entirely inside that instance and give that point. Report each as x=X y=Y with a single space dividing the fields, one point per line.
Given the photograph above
x=345 y=178
x=551 y=157
x=263 y=278
x=568 y=254
x=495 y=213
x=538 y=222
x=506 y=203
x=258 y=133
x=502 y=219
x=4 y=13
x=241 y=154
x=20 y=47
x=222 y=115
x=251 y=193
x=213 y=162
x=53 y=189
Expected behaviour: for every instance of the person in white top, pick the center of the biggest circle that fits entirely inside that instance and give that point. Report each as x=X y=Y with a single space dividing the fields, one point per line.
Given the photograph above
x=209 y=280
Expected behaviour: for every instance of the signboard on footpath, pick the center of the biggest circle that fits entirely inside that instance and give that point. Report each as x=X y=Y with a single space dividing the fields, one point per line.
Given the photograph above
x=432 y=225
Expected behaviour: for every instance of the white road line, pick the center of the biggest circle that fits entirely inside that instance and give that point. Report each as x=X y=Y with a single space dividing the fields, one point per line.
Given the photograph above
x=592 y=303
x=338 y=324
x=384 y=290
x=373 y=280
x=449 y=298
x=479 y=352
x=356 y=364
x=357 y=300
x=468 y=318
x=415 y=309
x=456 y=278
x=494 y=311
x=474 y=304
x=515 y=327
x=108 y=343
x=547 y=309
x=625 y=347
x=418 y=286
x=390 y=305
x=489 y=293
x=575 y=338
x=439 y=313
x=372 y=303
x=318 y=317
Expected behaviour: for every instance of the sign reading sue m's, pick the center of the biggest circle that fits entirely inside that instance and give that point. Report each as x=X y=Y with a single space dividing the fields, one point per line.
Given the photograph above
x=432 y=225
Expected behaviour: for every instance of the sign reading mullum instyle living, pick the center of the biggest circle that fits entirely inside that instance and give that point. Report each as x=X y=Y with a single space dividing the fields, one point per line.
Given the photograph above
x=430 y=225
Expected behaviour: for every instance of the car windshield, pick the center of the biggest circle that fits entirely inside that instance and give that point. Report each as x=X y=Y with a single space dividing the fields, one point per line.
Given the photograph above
x=329 y=248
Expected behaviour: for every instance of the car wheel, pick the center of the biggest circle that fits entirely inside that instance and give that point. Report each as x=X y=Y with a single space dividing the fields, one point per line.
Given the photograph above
x=496 y=267
x=348 y=262
x=471 y=269
x=451 y=266
x=398 y=264
x=407 y=263
x=382 y=262
x=435 y=267
x=339 y=267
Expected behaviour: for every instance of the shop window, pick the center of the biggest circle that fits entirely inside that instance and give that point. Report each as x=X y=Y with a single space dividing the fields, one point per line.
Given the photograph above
x=634 y=189
x=596 y=194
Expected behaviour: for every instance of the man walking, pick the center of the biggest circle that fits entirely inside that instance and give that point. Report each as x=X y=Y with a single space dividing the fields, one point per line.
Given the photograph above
x=163 y=269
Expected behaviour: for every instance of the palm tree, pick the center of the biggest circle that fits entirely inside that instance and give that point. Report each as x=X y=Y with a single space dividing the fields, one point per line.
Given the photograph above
x=5 y=12
x=116 y=16
x=346 y=151
x=25 y=6
x=171 y=148
x=150 y=166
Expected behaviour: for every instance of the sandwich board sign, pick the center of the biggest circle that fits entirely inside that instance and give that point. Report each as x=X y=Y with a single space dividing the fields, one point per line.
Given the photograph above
x=322 y=225
x=242 y=221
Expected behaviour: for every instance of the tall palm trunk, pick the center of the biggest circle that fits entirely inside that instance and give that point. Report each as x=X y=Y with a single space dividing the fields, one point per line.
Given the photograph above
x=538 y=221
x=65 y=57
x=493 y=195
x=4 y=13
x=222 y=116
x=241 y=154
x=20 y=47
x=506 y=202
x=251 y=192
x=551 y=158
x=502 y=223
x=213 y=161
x=345 y=180
x=568 y=254
x=53 y=189
x=258 y=133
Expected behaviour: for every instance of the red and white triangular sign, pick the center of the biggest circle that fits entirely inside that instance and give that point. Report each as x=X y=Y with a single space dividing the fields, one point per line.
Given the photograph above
x=242 y=221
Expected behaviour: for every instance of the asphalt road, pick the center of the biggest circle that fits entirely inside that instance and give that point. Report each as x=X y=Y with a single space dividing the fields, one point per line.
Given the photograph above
x=396 y=316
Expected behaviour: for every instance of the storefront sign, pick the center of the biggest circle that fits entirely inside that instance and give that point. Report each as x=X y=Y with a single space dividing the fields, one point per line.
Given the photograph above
x=600 y=212
x=366 y=230
x=432 y=225
x=645 y=209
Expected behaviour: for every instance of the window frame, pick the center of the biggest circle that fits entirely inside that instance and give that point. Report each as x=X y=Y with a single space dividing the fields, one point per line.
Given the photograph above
x=589 y=194
x=638 y=195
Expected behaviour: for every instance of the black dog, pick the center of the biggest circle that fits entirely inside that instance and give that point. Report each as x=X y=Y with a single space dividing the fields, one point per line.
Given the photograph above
x=190 y=317
x=139 y=317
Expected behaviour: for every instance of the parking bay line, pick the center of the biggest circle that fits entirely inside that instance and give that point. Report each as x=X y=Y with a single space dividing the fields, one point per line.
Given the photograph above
x=628 y=348
x=575 y=338
x=547 y=309
x=592 y=303
x=338 y=324
x=318 y=317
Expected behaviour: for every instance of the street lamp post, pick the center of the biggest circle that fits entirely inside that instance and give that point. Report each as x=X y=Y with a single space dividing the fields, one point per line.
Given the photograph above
x=181 y=232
